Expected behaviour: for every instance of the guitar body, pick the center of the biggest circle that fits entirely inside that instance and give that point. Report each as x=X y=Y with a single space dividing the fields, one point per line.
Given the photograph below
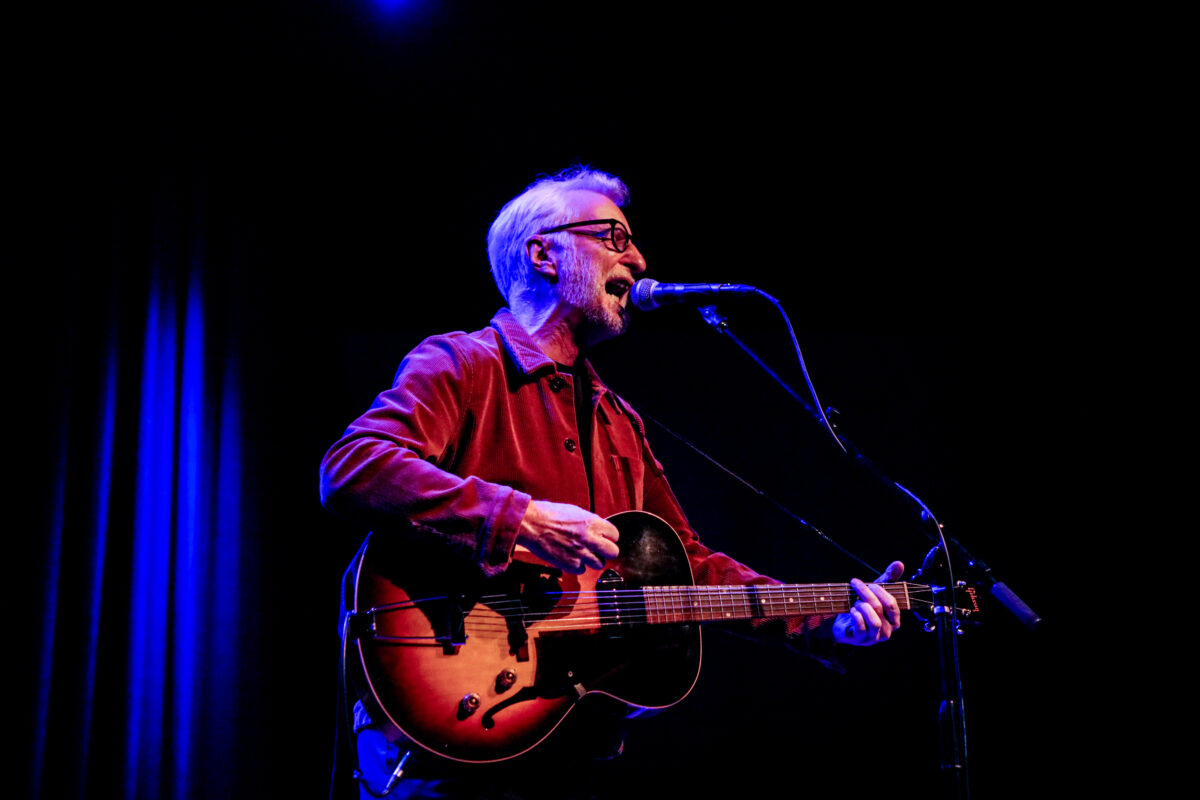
x=482 y=670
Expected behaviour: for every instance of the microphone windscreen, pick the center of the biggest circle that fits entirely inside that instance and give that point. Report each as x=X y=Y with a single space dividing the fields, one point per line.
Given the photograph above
x=643 y=294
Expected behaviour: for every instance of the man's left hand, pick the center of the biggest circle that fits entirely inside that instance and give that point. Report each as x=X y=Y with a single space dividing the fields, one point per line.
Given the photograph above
x=875 y=616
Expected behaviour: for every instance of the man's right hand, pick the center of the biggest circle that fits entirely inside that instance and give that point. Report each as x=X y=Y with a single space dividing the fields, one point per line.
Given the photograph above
x=567 y=536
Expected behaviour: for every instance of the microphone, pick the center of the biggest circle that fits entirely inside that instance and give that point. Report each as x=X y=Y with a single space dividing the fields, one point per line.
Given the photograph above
x=649 y=294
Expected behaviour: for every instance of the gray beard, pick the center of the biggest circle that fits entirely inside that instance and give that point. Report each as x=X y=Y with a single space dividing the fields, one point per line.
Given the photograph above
x=596 y=312
x=600 y=323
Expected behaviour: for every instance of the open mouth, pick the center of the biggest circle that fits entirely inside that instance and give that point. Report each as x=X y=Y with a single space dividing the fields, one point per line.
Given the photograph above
x=618 y=288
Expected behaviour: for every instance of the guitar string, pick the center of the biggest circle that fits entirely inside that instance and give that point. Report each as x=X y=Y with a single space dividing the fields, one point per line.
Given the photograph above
x=634 y=598
x=585 y=623
x=813 y=589
x=602 y=611
x=499 y=622
x=590 y=614
x=778 y=605
x=720 y=590
x=913 y=592
x=710 y=595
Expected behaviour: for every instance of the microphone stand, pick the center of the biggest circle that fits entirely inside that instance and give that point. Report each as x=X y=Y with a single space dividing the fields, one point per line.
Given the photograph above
x=951 y=716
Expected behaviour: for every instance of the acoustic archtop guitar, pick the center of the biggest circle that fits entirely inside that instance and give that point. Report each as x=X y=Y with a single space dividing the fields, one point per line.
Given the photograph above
x=485 y=669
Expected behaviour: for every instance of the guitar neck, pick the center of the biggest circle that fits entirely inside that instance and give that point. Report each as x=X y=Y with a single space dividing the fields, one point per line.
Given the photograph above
x=675 y=604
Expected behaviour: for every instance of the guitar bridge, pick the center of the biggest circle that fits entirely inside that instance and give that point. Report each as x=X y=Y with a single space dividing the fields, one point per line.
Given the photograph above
x=611 y=610
x=455 y=626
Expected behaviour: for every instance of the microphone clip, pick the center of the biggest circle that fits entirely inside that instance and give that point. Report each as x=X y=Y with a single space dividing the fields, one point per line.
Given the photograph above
x=714 y=318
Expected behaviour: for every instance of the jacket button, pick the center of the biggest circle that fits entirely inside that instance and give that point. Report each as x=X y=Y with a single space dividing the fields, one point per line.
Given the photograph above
x=557 y=383
x=570 y=445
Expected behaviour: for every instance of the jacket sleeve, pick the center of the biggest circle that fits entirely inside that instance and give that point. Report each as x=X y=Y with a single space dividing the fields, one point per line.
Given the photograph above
x=392 y=466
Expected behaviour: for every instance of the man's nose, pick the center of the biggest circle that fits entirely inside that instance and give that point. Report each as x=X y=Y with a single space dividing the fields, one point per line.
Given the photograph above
x=634 y=259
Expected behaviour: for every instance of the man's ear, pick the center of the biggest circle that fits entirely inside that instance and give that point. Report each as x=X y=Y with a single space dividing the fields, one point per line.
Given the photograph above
x=540 y=258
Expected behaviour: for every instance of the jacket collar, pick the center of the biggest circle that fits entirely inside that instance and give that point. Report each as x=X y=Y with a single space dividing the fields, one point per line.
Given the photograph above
x=520 y=346
x=527 y=356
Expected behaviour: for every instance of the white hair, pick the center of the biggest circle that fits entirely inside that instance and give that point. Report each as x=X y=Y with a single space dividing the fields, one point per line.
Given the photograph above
x=542 y=205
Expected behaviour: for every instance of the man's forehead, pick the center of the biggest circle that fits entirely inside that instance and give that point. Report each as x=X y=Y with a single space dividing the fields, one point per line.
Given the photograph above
x=586 y=204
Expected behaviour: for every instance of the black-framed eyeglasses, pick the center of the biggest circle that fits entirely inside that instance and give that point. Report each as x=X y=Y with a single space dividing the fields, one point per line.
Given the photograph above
x=617 y=234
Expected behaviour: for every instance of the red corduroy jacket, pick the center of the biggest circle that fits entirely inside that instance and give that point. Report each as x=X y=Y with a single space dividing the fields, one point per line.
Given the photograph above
x=478 y=424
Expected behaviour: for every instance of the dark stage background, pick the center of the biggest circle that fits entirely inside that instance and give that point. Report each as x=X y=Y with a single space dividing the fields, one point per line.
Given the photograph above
x=917 y=197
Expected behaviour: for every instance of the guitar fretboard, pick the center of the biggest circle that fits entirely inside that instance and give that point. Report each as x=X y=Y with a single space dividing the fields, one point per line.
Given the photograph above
x=675 y=604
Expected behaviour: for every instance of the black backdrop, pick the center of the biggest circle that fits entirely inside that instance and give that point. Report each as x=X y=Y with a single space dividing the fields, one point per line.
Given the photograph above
x=915 y=197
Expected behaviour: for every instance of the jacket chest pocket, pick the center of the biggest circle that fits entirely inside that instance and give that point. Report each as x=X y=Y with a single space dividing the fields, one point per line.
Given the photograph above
x=625 y=482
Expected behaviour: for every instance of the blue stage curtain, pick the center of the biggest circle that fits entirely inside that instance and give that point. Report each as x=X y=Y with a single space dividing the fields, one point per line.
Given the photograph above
x=135 y=569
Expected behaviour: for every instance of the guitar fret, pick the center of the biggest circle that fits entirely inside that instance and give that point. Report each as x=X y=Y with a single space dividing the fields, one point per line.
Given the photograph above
x=799 y=599
x=697 y=604
x=668 y=604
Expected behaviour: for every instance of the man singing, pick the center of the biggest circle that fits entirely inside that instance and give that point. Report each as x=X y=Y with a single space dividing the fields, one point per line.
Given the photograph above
x=506 y=440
